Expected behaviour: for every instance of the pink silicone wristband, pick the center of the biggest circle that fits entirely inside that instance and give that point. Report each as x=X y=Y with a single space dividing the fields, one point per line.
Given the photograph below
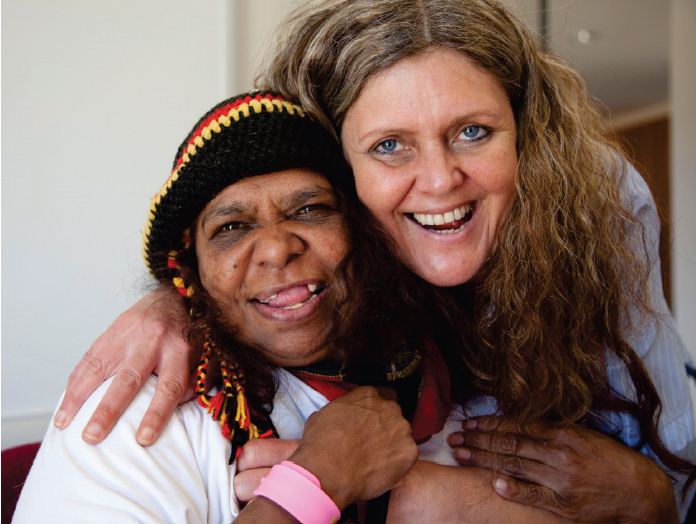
x=299 y=493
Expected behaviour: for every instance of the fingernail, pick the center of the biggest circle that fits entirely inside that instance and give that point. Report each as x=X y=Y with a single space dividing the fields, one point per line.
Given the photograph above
x=470 y=424
x=146 y=436
x=463 y=453
x=93 y=432
x=500 y=485
x=60 y=420
x=456 y=439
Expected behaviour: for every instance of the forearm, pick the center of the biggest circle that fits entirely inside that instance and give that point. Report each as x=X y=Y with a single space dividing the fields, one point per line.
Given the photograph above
x=435 y=493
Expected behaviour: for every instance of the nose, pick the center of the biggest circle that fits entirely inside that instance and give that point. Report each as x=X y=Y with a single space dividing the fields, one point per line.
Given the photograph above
x=275 y=247
x=440 y=171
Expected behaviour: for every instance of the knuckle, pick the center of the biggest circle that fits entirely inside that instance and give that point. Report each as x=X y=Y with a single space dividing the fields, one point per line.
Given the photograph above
x=154 y=327
x=533 y=494
x=507 y=443
x=513 y=465
x=129 y=377
x=104 y=412
x=90 y=364
x=250 y=452
x=72 y=398
x=172 y=389
x=393 y=408
x=565 y=458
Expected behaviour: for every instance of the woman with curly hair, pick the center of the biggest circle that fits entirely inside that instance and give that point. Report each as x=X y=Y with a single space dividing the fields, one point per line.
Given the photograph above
x=485 y=162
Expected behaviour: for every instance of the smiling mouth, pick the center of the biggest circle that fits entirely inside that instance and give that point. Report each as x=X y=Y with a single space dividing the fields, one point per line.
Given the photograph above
x=292 y=298
x=449 y=222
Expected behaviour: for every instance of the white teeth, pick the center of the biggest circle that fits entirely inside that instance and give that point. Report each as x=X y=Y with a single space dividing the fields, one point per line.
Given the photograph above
x=311 y=288
x=300 y=304
x=295 y=306
x=437 y=219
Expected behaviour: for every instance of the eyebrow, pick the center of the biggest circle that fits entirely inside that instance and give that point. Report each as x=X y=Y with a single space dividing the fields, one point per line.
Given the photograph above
x=456 y=119
x=233 y=208
x=291 y=200
x=303 y=195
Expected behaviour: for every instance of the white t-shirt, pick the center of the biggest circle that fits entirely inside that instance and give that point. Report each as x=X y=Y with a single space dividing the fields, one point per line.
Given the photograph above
x=182 y=478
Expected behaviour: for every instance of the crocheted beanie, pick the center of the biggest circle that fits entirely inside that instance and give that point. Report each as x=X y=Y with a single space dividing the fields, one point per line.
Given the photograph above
x=246 y=135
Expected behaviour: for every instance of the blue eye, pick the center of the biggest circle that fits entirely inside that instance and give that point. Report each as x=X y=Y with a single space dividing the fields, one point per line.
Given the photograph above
x=473 y=133
x=388 y=146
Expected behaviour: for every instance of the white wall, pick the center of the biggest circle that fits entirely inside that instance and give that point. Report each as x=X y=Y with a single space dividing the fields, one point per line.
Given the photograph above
x=683 y=86
x=96 y=97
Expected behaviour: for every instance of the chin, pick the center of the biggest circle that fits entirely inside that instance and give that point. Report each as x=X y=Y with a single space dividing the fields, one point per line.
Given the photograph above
x=445 y=275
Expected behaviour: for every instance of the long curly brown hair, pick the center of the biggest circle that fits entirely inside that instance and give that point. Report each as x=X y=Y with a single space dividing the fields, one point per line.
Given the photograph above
x=570 y=268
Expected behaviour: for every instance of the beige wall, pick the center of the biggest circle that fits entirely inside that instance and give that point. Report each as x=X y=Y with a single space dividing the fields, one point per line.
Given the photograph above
x=683 y=87
x=96 y=96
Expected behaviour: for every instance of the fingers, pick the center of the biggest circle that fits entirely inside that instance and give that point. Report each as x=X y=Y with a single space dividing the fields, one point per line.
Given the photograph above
x=89 y=373
x=122 y=390
x=540 y=430
x=373 y=398
x=174 y=382
x=246 y=482
x=502 y=443
x=528 y=494
x=511 y=465
x=168 y=395
x=259 y=453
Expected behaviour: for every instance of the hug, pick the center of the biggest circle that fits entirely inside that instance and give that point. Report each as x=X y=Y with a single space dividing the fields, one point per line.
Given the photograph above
x=490 y=227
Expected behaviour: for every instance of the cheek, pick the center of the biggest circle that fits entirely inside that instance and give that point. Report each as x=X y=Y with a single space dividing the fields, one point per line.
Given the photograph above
x=496 y=174
x=219 y=277
x=335 y=246
x=380 y=190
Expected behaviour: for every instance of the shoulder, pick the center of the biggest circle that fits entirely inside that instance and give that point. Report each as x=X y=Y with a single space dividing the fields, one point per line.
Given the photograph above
x=119 y=480
x=293 y=404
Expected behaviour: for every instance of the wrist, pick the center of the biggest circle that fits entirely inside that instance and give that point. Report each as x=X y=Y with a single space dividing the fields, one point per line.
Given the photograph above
x=323 y=468
x=298 y=492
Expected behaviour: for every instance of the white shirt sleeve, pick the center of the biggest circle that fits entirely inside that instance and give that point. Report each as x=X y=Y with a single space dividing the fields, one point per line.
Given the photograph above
x=182 y=478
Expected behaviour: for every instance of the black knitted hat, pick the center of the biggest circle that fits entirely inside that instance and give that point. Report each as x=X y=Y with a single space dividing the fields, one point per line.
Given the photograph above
x=246 y=135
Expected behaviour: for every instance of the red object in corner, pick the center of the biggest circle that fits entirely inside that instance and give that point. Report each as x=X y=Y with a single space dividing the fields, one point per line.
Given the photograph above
x=16 y=463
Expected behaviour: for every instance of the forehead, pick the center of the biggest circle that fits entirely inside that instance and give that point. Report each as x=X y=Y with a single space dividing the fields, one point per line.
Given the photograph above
x=274 y=186
x=435 y=84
